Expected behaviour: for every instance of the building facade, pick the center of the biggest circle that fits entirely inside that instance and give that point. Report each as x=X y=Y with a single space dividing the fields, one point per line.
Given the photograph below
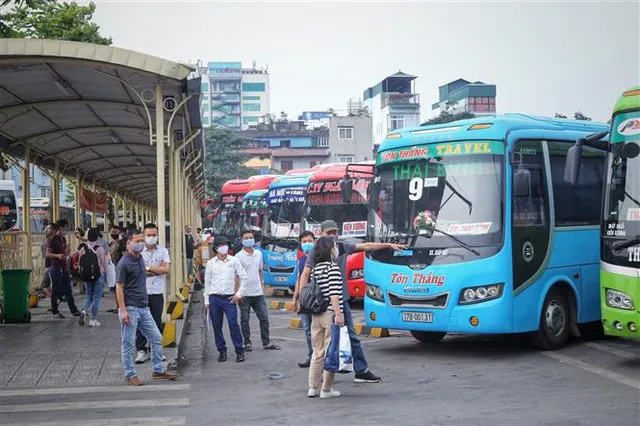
x=464 y=96
x=393 y=104
x=233 y=96
x=351 y=139
x=285 y=145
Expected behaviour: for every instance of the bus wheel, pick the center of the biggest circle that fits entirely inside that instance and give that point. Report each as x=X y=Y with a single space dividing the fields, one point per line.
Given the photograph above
x=428 y=336
x=555 y=322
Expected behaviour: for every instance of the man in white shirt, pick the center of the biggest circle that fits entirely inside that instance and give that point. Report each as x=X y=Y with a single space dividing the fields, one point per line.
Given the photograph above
x=157 y=265
x=221 y=296
x=252 y=263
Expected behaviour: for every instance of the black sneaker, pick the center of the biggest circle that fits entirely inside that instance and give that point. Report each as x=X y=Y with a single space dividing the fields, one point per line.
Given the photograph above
x=76 y=314
x=222 y=357
x=240 y=358
x=83 y=316
x=367 y=377
x=58 y=315
x=305 y=364
x=248 y=347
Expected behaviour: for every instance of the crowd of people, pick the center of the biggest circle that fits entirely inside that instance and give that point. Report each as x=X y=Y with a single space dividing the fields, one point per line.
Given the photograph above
x=134 y=267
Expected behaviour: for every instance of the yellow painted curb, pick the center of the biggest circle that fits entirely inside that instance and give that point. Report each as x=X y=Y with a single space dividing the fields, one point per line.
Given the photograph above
x=176 y=310
x=364 y=330
x=169 y=335
x=282 y=305
x=295 y=323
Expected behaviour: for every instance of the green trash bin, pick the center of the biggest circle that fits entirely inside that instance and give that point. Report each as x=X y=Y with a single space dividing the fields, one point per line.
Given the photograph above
x=15 y=286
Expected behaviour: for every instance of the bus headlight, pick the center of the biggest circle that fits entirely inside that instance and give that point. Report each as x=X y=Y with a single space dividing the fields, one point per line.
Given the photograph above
x=356 y=273
x=374 y=292
x=480 y=294
x=619 y=300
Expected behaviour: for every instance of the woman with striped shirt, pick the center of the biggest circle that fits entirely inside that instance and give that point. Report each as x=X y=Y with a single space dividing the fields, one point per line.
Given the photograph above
x=328 y=277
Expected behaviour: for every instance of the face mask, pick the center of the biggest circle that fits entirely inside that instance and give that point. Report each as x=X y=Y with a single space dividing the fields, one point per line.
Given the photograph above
x=151 y=241
x=115 y=236
x=248 y=243
x=306 y=247
x=137 y=247
x=334 y=238
x=223 y=249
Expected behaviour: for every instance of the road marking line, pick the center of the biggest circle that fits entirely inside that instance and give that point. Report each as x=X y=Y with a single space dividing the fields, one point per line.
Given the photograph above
x=94 y=405
x=615 y=351
x=156 y=421
x=592 y=369
x=94 y=389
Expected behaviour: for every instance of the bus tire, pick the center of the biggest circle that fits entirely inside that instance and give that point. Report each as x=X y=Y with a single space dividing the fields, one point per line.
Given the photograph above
x=555 y=321
x=428 y=336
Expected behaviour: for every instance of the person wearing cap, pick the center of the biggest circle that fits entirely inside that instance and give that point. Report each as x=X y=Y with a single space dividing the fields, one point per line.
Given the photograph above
x=221 y=296
x=329 y=228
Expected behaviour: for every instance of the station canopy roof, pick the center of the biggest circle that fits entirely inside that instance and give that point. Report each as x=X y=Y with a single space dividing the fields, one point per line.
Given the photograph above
x=76 y=103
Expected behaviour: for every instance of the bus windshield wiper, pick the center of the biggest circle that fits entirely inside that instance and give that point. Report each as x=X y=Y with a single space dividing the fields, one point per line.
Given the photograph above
x=629 y=242
x=409 y=239
x=457 y=240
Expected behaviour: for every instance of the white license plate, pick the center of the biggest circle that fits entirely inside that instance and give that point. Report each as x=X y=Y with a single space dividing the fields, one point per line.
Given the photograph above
x=417 y=317
x=281 y=279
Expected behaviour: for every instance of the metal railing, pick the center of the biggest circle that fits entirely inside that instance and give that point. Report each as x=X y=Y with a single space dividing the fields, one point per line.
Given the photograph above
x=400 y=99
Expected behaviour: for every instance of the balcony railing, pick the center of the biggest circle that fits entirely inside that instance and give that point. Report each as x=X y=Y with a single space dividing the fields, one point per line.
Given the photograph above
x=405 y=99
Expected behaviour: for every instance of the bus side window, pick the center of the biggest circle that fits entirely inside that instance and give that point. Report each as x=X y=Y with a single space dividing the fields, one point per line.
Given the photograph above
x=577 y=205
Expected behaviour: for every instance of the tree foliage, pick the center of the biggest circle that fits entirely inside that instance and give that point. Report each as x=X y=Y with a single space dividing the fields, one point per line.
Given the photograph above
x=223 y=159
x=558 y=115
x=49 y=19
x=448 y=117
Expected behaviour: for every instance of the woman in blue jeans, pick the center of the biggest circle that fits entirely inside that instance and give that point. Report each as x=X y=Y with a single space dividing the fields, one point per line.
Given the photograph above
x=93 y=290
x=307 y=240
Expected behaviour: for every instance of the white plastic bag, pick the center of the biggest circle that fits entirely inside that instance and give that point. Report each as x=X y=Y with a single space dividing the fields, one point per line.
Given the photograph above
x=346 y=357
x=111 y=274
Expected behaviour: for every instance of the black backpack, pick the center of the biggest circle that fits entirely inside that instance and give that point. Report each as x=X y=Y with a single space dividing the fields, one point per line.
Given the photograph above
x=311 y=299
x=89 y=265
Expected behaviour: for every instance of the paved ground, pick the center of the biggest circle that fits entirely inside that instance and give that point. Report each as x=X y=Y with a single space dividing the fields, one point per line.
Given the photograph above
x=460 y=381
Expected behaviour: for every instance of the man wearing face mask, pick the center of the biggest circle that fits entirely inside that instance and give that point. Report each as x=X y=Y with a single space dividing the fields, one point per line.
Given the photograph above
x=251 y=260
x=221 y=297
x=157 y=265
x=131 y=290
x=329 y=228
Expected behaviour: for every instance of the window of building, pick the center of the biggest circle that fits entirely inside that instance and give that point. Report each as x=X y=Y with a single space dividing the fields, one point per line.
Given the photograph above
x=286 y=165
x=286 y=143
x=250 y=120
x=205 y=120
x=251 y=98
x=345 y=133
x=265 y=144
x=253 y=87
x=346 y=158
x=323 y=142
x=205 y=97
x=399 y=121
x=312 y=164
x=577 y=205
x=251 y=107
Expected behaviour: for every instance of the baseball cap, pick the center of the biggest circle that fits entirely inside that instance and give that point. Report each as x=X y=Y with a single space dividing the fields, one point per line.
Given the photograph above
x=329 y=225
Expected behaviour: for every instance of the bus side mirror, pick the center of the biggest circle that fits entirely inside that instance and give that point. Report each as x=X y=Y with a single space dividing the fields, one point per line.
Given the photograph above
x=346 y=187
x=572 y=165
x=522 y=183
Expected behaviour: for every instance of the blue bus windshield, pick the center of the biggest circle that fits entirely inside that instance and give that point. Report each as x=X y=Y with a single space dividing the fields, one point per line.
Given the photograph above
x=440 y=201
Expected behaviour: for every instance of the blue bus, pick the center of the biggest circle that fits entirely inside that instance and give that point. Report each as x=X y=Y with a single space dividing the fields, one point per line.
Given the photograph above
x=281 y=228
x=498 y=241
x=254 y=207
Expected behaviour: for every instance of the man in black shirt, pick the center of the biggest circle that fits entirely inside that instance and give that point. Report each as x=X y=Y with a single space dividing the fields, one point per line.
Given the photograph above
x=58 y=252
x=131 y=291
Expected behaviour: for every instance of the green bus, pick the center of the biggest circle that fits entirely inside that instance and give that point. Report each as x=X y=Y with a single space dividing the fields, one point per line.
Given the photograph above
x=620 y=225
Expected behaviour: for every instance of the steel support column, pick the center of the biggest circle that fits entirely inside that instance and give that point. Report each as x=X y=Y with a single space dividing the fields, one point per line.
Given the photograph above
x=160 y=161
x=26 y=209
x=76 y=199
x=94 y=213
x=55 y=193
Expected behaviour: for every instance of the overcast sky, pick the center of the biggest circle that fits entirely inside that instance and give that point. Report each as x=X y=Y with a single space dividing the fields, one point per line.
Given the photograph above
x=543 y=57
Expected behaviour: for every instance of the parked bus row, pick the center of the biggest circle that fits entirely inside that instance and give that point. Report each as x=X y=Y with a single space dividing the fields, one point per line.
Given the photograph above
x=513 y=224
